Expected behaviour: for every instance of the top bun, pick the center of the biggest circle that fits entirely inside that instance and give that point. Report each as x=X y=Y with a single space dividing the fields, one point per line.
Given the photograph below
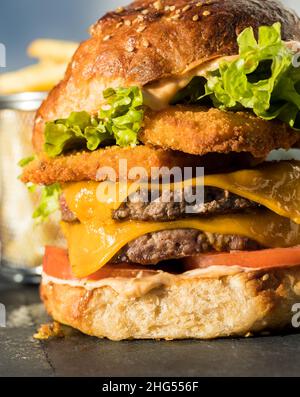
x=150 y=40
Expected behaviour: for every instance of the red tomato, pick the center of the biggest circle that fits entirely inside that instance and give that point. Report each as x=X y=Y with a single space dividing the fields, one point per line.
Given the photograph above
x=56 y=263
x=268 y=258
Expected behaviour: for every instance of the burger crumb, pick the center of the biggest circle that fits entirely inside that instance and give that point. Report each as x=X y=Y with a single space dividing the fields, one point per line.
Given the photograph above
x=51 y=330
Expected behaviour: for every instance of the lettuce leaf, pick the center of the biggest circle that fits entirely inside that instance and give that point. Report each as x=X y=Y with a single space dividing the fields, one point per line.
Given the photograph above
x=27 y=160
x=49 y=201
x=262 y=78
x=118 y=121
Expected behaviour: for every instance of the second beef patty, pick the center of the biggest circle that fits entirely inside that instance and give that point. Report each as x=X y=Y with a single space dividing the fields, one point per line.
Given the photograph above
x=154 y=248
x=216 y=202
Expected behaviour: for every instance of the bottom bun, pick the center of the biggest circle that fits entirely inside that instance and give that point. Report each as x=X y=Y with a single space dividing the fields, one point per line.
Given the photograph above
x=201 y=308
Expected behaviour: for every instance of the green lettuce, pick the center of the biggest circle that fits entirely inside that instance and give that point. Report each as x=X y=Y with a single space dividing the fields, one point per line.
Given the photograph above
x=27 y=160
x=48 y=195
x=262 y=78
x=117 y=122
x=49 y=201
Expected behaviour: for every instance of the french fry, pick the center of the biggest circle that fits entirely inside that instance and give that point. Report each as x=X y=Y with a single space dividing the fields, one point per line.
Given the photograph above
x=52 y=50
x=40 y=77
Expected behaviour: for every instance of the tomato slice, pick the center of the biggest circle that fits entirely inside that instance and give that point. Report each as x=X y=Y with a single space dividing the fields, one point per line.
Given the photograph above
x=268 y=258
x=56 y=264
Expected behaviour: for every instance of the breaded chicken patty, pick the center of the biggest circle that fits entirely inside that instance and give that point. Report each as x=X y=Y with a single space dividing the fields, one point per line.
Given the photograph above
x=85 y=166
x=199 y=130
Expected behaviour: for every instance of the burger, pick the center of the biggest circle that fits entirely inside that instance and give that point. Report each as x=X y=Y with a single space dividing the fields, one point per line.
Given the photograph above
x=206 y=90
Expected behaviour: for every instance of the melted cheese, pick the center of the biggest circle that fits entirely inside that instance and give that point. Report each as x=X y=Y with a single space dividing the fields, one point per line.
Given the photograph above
x=97 y=238
x=274 y=185
x=93 y=244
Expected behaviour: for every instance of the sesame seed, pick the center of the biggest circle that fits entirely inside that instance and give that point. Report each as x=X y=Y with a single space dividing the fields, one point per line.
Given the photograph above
x=119 y=10
x=206 y=13
x=195 y=18
x=186 y=8
x=141 y=29
x=199 y=5
x=172 y=8
x=145 y=43
x=106 y=38
x=265 y=277
x=167 y=8
x=119 y=25
x=175 y=17
x=178 y=11
x=127 y=22
x=130 y=45
x=158 y=5
x=140 y=18
x=129 y=48
x=145 y=12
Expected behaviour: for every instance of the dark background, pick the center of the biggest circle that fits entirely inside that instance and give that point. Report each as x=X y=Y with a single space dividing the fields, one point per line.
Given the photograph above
x=22 y=21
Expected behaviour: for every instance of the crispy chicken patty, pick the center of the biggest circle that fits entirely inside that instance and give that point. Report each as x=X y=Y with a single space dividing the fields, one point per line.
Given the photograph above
x=160 y=246
x=200 y=130
x=85 y=165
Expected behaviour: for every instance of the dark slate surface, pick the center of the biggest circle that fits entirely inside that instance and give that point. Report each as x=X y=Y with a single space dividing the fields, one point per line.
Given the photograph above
x=79 y=355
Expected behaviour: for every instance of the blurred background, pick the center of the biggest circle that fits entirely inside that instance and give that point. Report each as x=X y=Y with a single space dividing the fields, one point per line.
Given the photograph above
x=25 y=20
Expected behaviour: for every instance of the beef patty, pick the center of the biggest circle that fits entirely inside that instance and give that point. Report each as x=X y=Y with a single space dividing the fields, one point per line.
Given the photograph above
x=175 y=244
x=161 y=246
x=167 y=207
x=216 y=202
